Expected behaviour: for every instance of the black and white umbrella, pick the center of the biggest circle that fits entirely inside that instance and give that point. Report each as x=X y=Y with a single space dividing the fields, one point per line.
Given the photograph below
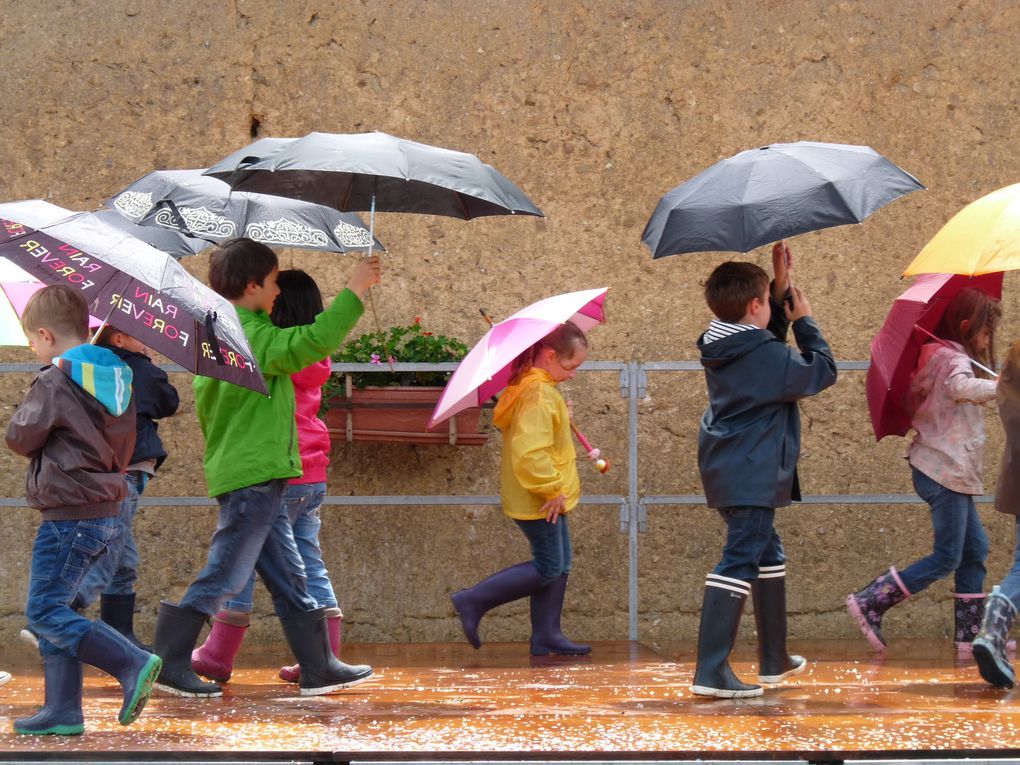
x=203 y=207
x=763 y=195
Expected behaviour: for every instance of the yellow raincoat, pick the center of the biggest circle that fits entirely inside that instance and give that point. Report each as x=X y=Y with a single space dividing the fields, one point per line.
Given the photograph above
x=539 y=461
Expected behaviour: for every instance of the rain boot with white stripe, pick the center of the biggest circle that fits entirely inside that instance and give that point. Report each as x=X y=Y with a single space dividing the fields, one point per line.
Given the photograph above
x=768 y=592
x=720 y=619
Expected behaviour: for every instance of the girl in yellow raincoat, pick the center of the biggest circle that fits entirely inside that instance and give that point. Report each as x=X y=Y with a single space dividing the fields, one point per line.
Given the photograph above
x=539 y=486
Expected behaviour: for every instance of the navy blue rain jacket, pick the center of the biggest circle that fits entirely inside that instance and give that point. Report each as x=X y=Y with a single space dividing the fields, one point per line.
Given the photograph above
x=749 y=439
x=155 y=397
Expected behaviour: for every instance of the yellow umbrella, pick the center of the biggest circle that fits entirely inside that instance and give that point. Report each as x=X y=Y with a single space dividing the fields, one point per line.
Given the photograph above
x=984 y=237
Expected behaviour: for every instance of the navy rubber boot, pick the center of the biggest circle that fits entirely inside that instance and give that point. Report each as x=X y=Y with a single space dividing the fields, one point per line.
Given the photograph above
x=119 y=612
x=105 y=648
x=546 y=634
x=61 y=713
x=721 y=610
x=177 y=630
x=321 y=672
x=504 y=586
x=768 y=592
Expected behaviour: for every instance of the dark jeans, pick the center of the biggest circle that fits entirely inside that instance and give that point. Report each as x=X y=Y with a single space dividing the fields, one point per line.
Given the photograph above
x=62 y=555
x=961 y=544
x=751 y=542
x=550 y=547
x=253 y=533
x=116 y=572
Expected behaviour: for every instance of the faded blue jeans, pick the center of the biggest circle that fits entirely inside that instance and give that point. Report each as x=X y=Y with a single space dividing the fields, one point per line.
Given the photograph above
x=751 y=542
x=253 y=533
x=302 y=502
x=1010 y=586
x=62 y=555
x=961 y=544
x=551 y=549
x=116 y=572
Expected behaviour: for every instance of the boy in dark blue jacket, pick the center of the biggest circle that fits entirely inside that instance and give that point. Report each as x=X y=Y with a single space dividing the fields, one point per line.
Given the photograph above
x=748 y=446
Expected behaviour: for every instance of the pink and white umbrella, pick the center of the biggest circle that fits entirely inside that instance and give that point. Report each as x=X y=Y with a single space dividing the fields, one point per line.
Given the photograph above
x=485 y=371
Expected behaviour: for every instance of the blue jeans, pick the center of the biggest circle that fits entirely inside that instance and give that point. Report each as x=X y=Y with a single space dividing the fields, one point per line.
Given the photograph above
x=253 y=533
x=302 y=502
x=550 y=547
x=62 y=555
x=751 y=542
x=116 y=572
x=961 y=544
x=1010 y=586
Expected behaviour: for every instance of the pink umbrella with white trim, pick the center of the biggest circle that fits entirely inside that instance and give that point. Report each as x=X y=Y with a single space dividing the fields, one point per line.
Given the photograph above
x=485 y=371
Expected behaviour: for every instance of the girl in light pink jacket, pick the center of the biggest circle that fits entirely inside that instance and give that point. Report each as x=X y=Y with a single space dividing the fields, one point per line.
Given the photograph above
x=945 y=457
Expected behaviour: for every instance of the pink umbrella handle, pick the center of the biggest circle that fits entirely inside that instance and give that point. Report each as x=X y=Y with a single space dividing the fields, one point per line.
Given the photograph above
x=595 y=455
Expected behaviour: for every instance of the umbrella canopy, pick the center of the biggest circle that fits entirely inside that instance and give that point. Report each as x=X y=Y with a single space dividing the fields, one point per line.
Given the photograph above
x=201 y=206
x=982 y=238
x=139 y=290
x=485 y=371
x=897 y=346
x=170 y=241
x=362 y=171
x=764 y=195
x=17 y=295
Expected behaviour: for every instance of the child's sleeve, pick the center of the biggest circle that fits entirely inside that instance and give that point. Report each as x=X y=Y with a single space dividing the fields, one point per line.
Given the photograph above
x=531 y=449
x=287 y=351
x=963 y=386
x=812 y=369
x=32 y=423
x=154 y=395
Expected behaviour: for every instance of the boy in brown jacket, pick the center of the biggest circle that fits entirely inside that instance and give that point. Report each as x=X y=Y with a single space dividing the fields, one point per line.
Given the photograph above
x=77 y=426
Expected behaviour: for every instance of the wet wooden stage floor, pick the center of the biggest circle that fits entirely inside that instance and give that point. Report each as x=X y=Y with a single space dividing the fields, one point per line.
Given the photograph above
x=627 y=701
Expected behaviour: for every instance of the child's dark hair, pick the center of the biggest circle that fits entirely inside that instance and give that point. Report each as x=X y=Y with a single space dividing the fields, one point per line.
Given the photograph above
x=979 y=310
x=236 y=263
x=731 y=286
x=299 y=301
x=60 y=309
x=564 y=340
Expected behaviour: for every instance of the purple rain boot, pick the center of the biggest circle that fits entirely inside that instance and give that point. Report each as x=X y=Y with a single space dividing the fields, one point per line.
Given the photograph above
x=546 y=634
x=989 y=646
x=504 y=586
x=870 y=604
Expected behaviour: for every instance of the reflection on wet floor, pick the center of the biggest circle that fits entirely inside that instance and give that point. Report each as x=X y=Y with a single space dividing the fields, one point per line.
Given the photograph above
x=624 y=698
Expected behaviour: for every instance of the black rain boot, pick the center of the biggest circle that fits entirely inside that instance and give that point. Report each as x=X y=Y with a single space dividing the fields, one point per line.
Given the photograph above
x=546 y=635
x=504 y=586
x=105 y=648
x=177 y=630
x=321 y=671
x=989 y=646
x=768 y=592
x=61 y=713
x=720 y=620
x=119 y=612
x=870 y=604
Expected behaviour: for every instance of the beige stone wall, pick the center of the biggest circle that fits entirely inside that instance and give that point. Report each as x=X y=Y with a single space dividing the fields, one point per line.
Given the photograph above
x=595 y=109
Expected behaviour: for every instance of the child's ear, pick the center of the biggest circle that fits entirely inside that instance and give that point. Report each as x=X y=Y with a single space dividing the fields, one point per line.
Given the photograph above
x=964 y=326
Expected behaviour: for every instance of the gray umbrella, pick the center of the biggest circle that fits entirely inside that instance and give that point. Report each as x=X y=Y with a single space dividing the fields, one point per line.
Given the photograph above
x=366 y=171
x=201 y=206
x=168 y=240
x=764 y=195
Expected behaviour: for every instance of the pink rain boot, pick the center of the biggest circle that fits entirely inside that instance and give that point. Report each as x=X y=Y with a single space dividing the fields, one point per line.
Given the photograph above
x=334 y=622
x=214 y=659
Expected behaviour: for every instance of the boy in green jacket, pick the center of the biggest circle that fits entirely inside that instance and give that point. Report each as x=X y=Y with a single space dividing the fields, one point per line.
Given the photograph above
x=251 y=450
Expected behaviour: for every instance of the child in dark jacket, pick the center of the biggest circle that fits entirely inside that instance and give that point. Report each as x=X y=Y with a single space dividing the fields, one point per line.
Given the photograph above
x=113 y=577
x=77 y=426
x=748 y=447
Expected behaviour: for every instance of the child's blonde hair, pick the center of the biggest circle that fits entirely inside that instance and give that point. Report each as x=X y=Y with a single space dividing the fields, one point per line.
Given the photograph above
x=60 y=309
x=564 y=340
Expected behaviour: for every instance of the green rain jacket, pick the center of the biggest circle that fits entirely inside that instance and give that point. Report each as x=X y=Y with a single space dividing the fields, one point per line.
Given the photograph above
x=251 y=438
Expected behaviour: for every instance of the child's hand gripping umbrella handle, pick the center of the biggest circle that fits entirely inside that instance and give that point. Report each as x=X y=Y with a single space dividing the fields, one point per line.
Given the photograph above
x=595 y=455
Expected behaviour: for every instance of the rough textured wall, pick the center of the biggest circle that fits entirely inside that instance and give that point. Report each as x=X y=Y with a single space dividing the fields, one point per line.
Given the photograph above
x=595 y=109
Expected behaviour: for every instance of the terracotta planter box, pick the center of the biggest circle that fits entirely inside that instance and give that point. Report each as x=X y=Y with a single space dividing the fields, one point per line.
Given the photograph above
x=399 y=415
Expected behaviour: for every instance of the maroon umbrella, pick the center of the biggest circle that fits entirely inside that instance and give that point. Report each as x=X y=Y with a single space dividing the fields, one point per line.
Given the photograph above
x=897 y=346
x=135 y=288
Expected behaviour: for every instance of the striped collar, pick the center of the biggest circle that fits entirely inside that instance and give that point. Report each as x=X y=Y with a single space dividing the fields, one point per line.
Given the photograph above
x=717 y=330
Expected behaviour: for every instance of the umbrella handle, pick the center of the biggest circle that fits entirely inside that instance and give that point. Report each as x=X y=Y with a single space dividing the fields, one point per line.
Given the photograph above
x=595 y=455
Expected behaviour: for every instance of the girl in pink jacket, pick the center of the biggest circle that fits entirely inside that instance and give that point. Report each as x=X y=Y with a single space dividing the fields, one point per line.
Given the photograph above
x=946 y=462
x=298 y=304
